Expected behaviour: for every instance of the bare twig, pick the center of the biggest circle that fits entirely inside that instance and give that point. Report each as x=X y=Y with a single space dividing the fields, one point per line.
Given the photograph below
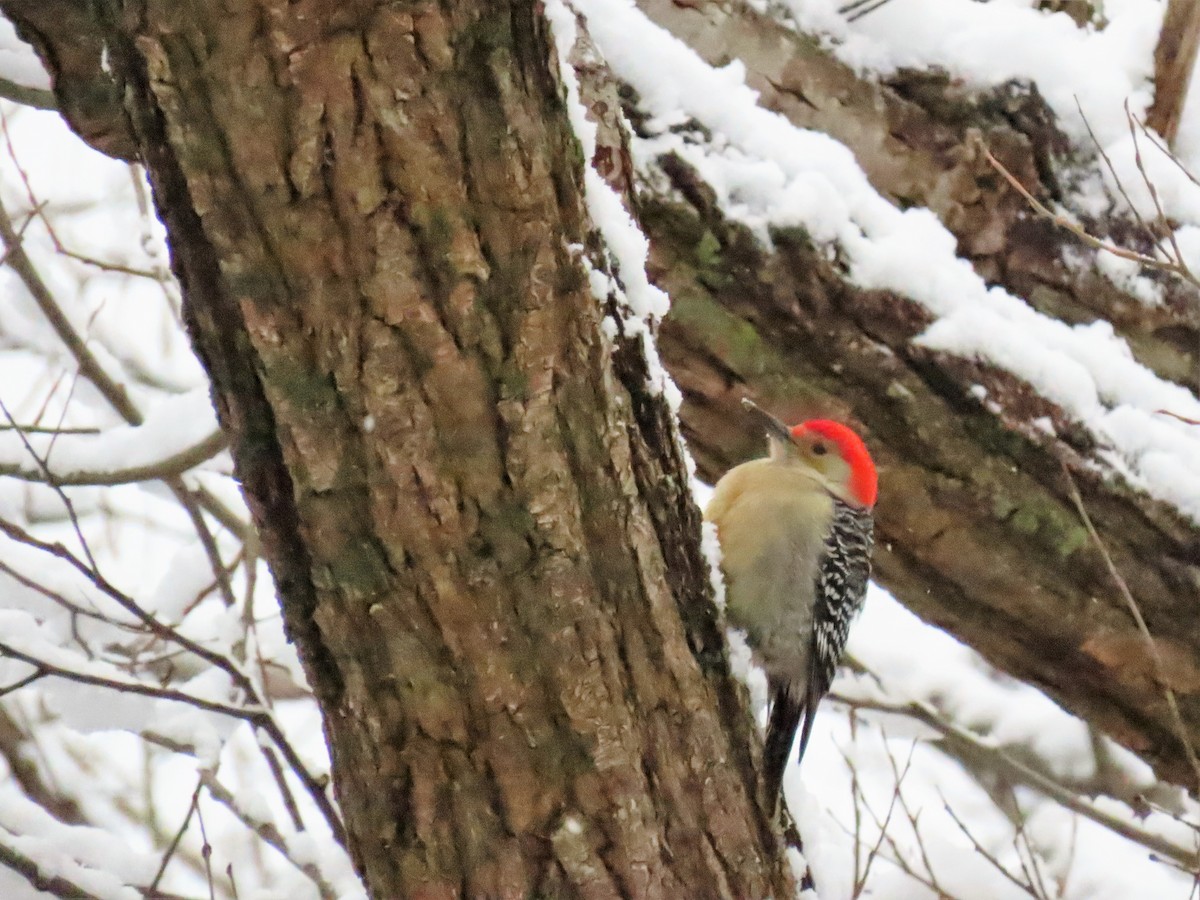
x=1184 y=419
x=266 y=831
x=982 y=851
x=58 y=599
x=51 y=884
x=62 y=496
x=19 y=261
x=176 y=464
x=912 y=817
x=1160 y=214
x=1030 y=866
x=896 y=857
x=856 y=9
x=37 y=674
x=38 y=210
x=289 y=802
x=38 y=98
x=262 y=716
x=1136 y=612
x=129 y=686
x=962 y=742
x=1116 y=176
x=206 y=851
x=1166 y=151
x=1078 y=230
x=862 y=870
x=50 y=429
x=174 y=845
x=209 y=545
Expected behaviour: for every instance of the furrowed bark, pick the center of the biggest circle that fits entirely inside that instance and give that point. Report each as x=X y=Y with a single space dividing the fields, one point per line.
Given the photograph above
x=476 y=513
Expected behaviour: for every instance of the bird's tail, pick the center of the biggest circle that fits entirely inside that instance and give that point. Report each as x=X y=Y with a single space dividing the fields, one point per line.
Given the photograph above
x=787 y=708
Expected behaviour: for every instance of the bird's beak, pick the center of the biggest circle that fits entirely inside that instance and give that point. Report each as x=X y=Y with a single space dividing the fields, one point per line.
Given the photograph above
x=769 y=423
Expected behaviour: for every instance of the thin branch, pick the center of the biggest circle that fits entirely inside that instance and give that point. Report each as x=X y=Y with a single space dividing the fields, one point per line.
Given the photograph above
x=1116 y=176
x=230 y=520
x=48 y=429
x=1032 y=870
x=266 y=831
x=176 y=464
x=18 y=260
x=129 y=686
x=174 y=845
x=1165 y=151
x=38 y=98
x=858 y=8
x=912 y=817
x=206 y=851
x=1184 y=419
x=1160 y=213
x=209 y=544
x=1136 y=612
x=37 y=674
x=166 y=632
x=896 y=858
x=963 y=743
x=863 y=871
x=1078 y=230
x=285 y=792
x=258 y=717
x=59 y=600
x=982 y=851
x=52 y=884
x=62 y=496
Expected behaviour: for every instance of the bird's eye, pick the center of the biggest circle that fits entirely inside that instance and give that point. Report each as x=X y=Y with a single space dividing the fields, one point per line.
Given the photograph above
x=819 y=449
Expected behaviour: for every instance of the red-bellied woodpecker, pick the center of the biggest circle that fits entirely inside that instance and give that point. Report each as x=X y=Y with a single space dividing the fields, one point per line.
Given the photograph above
x=796 y=533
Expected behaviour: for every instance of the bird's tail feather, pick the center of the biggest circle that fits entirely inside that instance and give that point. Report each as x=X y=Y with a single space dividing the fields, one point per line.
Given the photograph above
x=787 y=708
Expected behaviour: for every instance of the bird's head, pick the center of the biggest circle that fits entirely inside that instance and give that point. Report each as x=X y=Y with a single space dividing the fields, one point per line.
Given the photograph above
x=828 y=451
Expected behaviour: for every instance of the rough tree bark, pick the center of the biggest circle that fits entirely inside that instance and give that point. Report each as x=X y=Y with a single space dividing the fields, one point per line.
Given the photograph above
x=977 y=532
x=477 y=515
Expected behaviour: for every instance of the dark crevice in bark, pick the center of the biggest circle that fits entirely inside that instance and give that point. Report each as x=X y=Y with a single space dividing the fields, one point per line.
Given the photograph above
x=218 y=333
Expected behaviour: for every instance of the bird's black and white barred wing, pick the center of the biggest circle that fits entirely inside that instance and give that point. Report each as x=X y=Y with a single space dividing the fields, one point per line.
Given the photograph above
x=842 y=577
x=845 y=571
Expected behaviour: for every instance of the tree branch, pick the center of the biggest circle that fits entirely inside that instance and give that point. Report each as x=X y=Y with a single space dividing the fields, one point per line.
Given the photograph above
x=167 y=467
x=27 y=96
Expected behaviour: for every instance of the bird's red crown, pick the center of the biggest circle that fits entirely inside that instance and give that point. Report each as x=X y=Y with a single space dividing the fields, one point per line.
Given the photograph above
x=864 y=481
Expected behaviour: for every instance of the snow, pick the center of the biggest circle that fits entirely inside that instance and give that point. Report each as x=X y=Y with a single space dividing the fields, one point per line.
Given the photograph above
x=173 y=425
x=766 y=172
x=987 y=44
x=623 y=240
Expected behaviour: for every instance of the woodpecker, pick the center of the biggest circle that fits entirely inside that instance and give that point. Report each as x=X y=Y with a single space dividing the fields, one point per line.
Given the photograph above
x=796 y=532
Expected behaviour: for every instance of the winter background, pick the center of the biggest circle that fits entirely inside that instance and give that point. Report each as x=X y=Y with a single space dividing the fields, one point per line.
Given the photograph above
x=917 y=780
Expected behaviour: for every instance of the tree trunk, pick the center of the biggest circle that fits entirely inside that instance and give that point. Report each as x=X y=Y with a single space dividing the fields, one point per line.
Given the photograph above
x=477 y=515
